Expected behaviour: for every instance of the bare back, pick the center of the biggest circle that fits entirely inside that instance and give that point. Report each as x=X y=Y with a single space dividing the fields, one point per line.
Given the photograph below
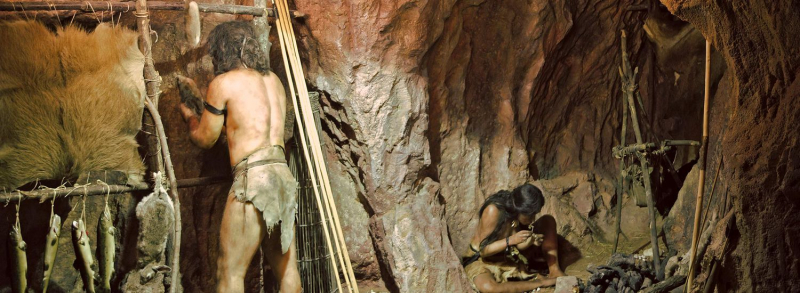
x=256 y=107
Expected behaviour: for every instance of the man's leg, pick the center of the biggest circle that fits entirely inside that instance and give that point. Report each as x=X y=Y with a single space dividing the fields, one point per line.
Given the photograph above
x=284 y=266
x=547 y=225
x=239 y=237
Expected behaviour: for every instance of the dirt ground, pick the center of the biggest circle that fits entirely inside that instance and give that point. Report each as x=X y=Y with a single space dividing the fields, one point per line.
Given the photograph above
x=598 y=253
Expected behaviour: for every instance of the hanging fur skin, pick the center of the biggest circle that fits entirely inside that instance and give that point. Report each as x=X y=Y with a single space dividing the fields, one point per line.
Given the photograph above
x=70 y=102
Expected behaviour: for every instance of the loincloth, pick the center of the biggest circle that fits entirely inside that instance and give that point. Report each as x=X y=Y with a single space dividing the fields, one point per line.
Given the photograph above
x=263 y=178
x=500 y=271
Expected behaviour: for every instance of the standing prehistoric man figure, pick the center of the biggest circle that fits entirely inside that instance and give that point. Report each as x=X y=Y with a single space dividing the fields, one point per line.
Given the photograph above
x=250 y=101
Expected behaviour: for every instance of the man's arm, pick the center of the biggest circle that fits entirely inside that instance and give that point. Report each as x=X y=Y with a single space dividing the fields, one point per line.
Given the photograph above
x=487 y=224
x=205 y=129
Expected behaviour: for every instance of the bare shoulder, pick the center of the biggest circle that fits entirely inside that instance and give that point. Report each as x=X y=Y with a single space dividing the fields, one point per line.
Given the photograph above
x=272 y=80
x=227 y=85
x=491 y=212
x=217 y=89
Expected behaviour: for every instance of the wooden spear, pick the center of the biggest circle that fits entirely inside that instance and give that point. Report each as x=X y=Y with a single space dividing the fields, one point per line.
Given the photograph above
x=702 y=163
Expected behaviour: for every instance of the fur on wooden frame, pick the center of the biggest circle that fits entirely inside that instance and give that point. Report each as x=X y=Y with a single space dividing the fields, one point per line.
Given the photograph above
x=71 y=102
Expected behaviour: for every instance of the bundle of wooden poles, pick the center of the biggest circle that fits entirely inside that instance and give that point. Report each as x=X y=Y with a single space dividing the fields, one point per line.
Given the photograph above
x=310 y=142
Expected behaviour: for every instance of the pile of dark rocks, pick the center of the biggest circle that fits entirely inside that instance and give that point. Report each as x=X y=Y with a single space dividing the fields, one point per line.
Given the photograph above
x=626 y=274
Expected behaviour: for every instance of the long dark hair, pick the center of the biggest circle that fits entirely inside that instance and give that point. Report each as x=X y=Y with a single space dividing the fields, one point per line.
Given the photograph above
x=523 y=200
x=233 y=44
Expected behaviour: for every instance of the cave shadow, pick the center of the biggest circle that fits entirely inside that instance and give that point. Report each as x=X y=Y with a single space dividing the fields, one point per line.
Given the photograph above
x=568 y=254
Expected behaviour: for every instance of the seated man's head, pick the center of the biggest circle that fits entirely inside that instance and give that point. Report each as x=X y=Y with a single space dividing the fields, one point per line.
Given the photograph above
x=527 y=201
x=234 y=45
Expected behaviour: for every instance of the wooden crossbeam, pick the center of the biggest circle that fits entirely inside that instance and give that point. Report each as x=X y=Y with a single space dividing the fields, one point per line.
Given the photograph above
x=97 y=6
x=93 y=189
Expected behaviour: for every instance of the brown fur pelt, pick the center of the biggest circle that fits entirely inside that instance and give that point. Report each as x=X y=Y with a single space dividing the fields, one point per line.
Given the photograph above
x=70 y=102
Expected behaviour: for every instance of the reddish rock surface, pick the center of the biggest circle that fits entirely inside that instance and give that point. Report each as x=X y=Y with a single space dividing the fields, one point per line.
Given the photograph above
x=760 y=44
x=479 y=96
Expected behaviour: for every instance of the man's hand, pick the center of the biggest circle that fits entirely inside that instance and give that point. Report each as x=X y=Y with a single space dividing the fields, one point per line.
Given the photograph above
x=533 y=240
x=187 y=113
x=519 y=237
x=191 y=98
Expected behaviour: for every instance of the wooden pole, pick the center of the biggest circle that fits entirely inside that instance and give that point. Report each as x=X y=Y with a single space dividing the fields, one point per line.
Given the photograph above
x=629 y=77
x=153 y=84
x=702 y=163
x=621 y=181
x=283 y=10
x=283 y=37
x=176 y=202
x=87 y=190
x=97 y=6
x=101 y=189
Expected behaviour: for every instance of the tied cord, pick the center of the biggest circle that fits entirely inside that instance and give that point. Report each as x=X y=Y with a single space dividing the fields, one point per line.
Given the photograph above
x=16 y=225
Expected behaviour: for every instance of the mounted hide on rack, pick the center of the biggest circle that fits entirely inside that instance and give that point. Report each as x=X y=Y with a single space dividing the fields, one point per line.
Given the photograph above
x=70 y=102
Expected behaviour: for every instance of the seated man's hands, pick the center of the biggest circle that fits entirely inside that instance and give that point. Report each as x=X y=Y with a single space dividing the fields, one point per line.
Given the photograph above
x=533 y=240
x=191 y=98
x=519 y=237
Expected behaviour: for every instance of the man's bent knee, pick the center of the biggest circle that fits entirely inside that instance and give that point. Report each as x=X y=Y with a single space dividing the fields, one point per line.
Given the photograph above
x=487 y=287
x=546 y=222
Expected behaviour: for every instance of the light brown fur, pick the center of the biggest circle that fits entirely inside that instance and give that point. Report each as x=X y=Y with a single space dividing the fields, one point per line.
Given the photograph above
x=69 y=104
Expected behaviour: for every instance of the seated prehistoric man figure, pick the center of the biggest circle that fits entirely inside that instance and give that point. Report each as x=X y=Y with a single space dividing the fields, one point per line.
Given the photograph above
x=250 y=100
x=506 y=232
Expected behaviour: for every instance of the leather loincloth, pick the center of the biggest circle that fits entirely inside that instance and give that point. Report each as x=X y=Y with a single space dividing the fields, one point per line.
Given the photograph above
x=500 y=271
x=263 y=178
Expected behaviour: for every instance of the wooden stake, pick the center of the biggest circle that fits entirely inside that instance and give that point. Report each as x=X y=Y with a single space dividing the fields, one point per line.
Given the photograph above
x=702 y=163
x=283 y=37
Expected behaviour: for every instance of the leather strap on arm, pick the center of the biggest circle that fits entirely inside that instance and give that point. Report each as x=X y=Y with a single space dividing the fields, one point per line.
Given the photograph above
x=214 y=110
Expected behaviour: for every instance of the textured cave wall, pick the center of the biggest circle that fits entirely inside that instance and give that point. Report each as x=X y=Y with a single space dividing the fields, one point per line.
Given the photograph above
x=760 y=44
x=443 y=103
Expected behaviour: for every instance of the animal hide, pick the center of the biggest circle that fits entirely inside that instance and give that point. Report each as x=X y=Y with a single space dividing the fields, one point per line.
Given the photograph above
x=70 y=102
